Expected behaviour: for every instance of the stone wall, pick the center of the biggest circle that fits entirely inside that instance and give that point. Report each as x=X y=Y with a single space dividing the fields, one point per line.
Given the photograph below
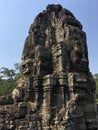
x=57 y=90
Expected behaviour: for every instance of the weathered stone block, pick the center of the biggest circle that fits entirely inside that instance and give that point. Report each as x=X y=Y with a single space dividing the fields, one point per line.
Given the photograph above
x=49 y=80
x=92 y=124
x=81 y=126
x=77 y=79
x=90 y=115
x=76 y=112
x=63 y=79
x=90 y=108
x=37 y=81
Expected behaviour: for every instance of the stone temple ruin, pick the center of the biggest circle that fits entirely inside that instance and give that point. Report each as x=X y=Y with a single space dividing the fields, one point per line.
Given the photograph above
x=57 y=90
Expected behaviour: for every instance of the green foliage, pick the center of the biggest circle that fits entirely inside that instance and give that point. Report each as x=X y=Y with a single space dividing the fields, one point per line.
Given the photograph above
x=8 y=74
x=95 y=76
x=18 y=76
x=8 y=78
x=6 y=87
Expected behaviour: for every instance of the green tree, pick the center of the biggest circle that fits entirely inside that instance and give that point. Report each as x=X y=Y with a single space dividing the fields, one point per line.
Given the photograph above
x=95 y=76
x=8 y=78
x=8 y=74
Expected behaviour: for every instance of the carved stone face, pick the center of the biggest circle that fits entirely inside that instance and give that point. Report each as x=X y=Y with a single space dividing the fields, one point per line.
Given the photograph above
x=27 y=66
x=76 y=53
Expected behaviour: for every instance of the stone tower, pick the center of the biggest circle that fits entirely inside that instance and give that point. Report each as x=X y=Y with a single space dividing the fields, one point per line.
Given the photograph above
x=57 y=90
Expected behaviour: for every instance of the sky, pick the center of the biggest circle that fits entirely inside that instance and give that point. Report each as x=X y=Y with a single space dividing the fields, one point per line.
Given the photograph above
x=16 y=16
